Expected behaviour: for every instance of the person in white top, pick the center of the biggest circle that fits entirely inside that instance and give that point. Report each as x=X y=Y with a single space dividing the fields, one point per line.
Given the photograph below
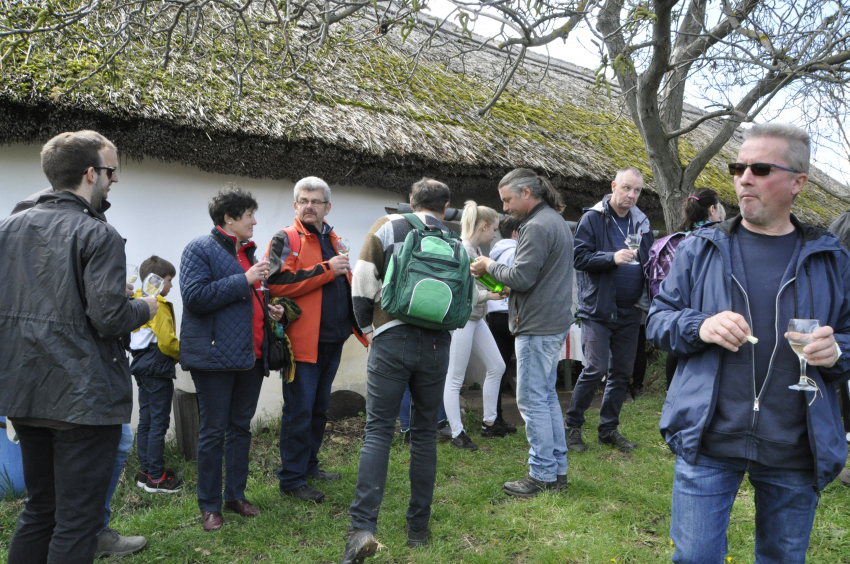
x=478 y=227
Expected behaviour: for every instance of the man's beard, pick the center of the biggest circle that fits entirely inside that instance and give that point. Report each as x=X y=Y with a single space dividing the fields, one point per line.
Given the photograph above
x=98 y=194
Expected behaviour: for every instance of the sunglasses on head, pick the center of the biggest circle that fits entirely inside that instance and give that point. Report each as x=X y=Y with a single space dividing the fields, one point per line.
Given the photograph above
x=758 y=169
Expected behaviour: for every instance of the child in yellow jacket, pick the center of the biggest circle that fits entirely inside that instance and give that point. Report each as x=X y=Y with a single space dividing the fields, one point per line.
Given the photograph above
x=155 y=350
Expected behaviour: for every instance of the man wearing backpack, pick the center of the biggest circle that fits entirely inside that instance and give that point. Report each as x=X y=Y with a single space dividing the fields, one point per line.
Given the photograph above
x=305 y=267
x=540 y=280
x=402 y=355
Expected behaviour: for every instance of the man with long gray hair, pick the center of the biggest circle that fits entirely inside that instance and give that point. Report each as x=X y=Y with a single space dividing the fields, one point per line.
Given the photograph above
x=729 y=411
x=540 y=282
x=612 y=298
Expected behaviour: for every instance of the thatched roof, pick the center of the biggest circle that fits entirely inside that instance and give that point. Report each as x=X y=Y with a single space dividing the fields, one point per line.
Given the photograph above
x=371 y=122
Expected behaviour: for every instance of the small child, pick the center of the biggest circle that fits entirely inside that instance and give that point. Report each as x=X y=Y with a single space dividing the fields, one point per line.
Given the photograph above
x=155 y=351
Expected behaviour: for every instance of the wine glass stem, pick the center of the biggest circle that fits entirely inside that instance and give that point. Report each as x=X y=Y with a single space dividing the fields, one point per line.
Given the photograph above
x=803 y=365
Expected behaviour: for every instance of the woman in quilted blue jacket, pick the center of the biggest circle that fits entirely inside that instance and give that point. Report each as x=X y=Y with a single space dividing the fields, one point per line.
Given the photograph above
x=224 y=347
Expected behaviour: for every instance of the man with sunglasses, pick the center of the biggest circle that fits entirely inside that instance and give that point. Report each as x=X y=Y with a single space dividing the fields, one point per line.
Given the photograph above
x=66 y=382
x=729 y=410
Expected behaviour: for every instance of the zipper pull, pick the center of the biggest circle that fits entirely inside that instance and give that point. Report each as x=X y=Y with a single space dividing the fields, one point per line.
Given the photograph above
x=756 y=405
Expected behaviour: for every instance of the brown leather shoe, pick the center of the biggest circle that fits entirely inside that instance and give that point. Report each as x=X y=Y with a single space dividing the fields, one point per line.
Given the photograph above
x=242 y=507
x=212 y=520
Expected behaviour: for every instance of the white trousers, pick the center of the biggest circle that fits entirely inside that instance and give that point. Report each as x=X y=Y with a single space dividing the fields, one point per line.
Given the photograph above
x=473 y=338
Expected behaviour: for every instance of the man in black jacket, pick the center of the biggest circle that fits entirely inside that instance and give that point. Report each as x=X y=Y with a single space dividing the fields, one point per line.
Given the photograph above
x=64 y=375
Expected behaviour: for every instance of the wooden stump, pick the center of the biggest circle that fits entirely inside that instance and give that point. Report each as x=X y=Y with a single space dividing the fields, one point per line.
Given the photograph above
x=187 y=423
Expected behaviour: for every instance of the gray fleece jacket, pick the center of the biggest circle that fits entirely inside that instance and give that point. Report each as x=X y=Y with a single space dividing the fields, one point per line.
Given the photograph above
x=541 y=277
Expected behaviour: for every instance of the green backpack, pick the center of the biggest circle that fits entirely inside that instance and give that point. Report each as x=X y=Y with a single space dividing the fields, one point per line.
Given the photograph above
x=428 y=283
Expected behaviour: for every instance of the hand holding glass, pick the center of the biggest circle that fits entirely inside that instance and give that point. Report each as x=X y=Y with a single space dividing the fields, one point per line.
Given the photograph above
x=799 y=335
x=152 y=285
x=264 y=284
x=633 y=243
x=343 y=246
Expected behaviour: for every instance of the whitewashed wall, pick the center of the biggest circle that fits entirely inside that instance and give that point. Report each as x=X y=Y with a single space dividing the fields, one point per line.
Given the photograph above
x=160 y=207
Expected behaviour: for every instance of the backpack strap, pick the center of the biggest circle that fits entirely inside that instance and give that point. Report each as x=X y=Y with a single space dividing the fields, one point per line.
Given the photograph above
x=414 y=221
x=294 y=239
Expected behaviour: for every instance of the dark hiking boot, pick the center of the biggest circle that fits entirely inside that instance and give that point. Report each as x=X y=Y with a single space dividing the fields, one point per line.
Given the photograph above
x=529 y=487
x=614 y=438
x=562 y=482
x=417 y=538
x=574 y=442
x=359 y=544
x=305 y=493
x=463 y=442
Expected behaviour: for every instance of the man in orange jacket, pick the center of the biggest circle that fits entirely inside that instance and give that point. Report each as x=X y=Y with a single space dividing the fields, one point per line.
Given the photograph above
x=307 y=268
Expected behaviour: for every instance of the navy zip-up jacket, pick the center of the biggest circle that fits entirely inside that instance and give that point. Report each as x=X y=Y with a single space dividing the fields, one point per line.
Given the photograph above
x=217 y=332
x=700 y=284
x=593 y=257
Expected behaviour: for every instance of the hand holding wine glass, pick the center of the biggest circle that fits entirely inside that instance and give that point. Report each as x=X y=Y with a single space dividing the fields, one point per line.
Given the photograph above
x=343 y=246
x=799 y=335
x=264 y=281
x=633 y=243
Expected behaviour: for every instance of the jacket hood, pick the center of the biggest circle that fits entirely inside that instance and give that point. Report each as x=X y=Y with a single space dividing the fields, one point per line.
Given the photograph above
x=603 y=208
x=500 y=247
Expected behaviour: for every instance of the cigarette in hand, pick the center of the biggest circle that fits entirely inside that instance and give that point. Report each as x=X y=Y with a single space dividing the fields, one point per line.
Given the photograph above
x=752 y=339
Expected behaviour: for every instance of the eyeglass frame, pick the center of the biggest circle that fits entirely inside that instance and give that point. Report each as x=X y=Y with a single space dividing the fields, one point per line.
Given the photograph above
x=304 y=203
x=751 y=165
x=109 y=170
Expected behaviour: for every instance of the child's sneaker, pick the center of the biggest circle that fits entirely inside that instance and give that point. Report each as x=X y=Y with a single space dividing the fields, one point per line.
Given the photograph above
x=167 y=484
x=141 y=479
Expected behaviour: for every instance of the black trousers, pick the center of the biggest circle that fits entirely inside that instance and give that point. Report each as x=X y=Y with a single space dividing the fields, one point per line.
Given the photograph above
x=640 y=360
x=67 y=475
x=498 y=323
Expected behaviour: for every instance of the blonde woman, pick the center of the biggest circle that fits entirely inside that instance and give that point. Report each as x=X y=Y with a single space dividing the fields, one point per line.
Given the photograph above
x=478 y=227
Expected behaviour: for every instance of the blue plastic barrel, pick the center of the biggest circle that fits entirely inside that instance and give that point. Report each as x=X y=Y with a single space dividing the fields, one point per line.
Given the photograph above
x=11 y=465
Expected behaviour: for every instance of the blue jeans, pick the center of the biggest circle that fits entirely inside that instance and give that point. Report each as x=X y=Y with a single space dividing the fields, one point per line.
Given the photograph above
x=703 y=495
x=401 y=356
x=606 y=345
x=62 y=515
x=120 y=458
x=404 y=412
x=305 y=406
x=155 y=396
x=537 y=400
x=227 y=401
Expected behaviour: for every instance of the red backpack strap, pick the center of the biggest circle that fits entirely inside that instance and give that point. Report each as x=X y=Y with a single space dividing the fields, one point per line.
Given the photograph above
x=294 y=239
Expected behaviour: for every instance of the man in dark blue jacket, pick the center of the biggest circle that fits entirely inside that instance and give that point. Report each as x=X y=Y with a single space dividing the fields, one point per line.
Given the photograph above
x=729 y=409
x=611 y=288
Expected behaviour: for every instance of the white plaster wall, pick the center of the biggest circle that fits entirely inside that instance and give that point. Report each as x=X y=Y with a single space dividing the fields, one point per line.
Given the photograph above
x=160 y=207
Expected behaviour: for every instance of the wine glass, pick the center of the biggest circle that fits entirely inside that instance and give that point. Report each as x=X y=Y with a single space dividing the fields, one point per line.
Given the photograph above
x=264 y=280
x=152 y=285
x=343 y=246
x=633 y=243
x=132 y=273
x=799 y=335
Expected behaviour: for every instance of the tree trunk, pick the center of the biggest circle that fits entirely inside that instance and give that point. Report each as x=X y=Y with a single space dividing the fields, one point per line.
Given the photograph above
x=671 y=193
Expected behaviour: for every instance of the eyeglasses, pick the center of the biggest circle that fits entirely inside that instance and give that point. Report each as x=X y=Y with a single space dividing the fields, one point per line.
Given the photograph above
x=109 y=170
x=758 y=169
x=315 y=203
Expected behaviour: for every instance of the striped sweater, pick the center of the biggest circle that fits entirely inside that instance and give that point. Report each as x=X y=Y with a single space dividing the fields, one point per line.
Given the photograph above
x=385 y=239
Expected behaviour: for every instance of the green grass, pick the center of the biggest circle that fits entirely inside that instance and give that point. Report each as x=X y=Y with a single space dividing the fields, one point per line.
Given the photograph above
x=617 y=507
